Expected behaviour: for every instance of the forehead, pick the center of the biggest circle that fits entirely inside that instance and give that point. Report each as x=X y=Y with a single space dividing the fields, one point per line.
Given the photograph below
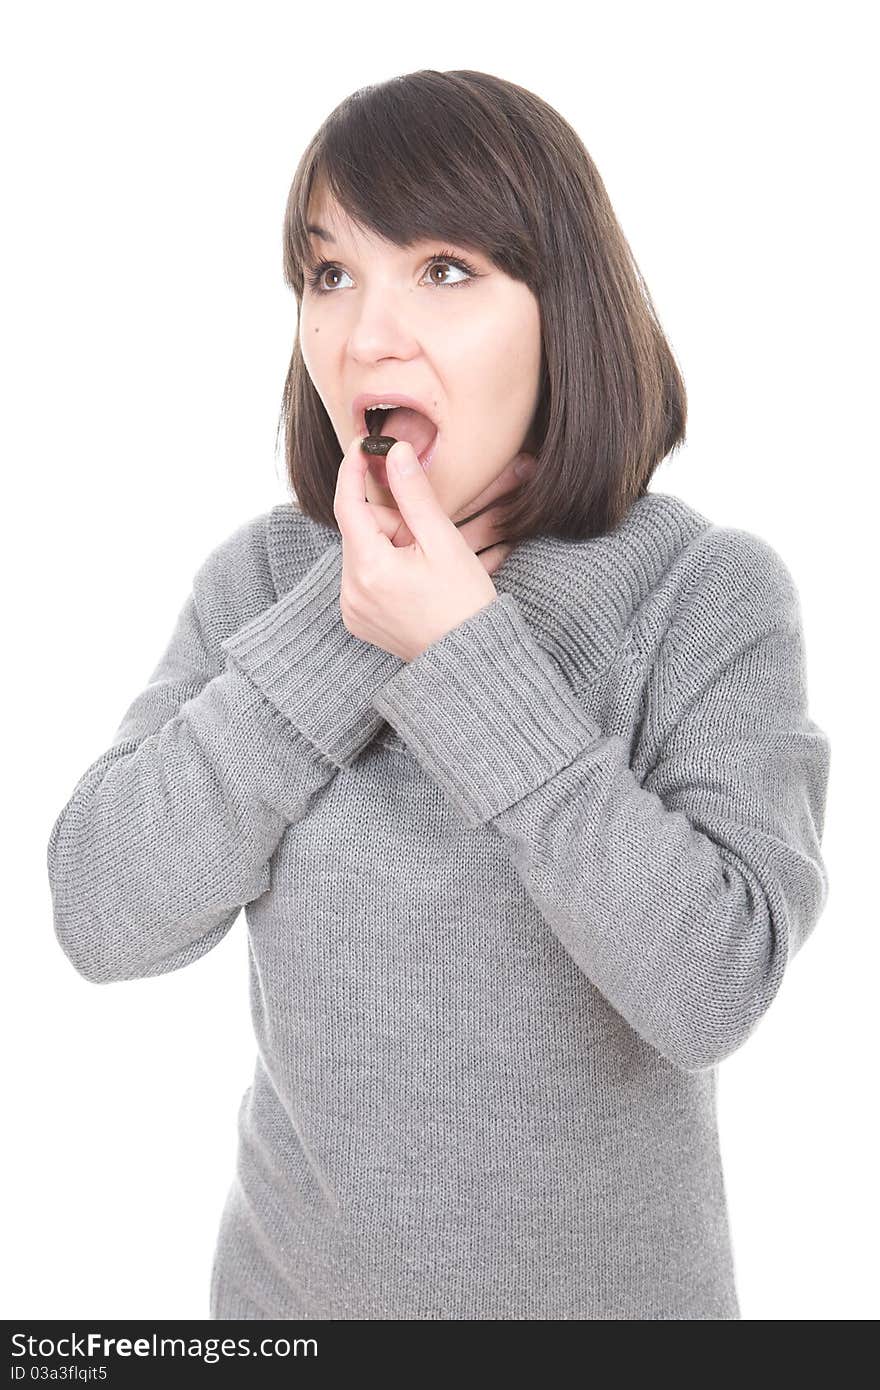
x=329 y=226
x=328 y=222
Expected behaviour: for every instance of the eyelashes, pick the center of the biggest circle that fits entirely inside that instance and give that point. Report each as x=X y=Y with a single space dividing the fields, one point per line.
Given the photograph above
x=315 y=273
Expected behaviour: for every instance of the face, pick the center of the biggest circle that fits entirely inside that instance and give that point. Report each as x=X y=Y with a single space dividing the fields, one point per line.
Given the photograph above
x=467 y=345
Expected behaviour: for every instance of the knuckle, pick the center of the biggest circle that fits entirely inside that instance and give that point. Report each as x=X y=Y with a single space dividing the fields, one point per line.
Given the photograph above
x=349 y=612
x=362 y=582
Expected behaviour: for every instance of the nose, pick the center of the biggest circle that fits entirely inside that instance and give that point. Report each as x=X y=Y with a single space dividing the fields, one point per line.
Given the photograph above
x=383 y=325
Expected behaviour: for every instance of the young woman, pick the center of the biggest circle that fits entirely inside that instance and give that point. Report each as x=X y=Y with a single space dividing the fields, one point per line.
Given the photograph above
x=512 y=773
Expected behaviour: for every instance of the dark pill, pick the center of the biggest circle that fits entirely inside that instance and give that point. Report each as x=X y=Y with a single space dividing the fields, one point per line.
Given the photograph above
x=377 y=443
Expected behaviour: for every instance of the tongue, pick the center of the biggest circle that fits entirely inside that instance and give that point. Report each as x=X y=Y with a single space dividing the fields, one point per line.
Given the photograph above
x=411 y=426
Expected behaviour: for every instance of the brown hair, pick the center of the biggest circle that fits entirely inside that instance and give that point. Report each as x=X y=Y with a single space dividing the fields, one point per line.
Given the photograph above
x=471 y=157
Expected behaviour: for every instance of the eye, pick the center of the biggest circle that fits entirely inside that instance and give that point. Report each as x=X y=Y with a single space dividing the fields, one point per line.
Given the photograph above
x=448 y=262
x=315 y=274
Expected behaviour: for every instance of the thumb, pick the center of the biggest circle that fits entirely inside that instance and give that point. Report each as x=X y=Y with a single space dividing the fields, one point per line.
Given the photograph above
x=415 y=497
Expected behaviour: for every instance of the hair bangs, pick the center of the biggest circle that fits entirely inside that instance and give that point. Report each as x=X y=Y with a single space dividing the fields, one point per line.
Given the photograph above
x=405 y=160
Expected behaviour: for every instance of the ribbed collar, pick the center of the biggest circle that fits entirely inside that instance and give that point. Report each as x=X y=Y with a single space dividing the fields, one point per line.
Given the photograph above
x=578 y=596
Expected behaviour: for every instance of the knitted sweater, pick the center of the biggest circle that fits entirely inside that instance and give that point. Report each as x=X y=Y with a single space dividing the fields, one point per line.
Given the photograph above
x=508 y=907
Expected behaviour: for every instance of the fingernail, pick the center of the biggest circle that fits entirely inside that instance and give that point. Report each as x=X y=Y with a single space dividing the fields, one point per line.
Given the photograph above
x=524 y=467
x=404 y=460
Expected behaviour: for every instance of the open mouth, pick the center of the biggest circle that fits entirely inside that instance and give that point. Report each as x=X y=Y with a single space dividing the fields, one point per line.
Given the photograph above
x=400 y=423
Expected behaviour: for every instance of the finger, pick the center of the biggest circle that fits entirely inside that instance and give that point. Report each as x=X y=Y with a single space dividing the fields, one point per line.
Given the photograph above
x=402 y=536
x=506 y=480
x=478 y=531
x=392 y=524
x=416 y=499
x=355 y=515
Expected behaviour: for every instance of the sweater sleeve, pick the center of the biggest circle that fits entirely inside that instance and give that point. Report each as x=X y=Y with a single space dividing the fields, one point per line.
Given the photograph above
x=683 y=893
x=170 y=832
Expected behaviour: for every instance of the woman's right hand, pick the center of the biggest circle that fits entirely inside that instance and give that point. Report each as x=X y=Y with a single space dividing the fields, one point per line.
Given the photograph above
x=479 y=531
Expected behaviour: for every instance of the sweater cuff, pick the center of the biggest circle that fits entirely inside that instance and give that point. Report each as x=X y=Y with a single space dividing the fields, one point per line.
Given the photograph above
x=487 y=711
x=303 y=658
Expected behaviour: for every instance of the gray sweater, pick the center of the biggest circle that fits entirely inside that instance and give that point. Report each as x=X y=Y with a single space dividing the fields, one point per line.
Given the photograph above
x=508 y=907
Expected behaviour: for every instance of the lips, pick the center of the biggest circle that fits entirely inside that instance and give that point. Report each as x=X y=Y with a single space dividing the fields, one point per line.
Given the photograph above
x=376 y=463
x=361 y=403
x=366 y=401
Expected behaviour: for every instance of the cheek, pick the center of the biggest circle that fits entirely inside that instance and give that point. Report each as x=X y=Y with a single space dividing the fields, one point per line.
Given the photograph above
x=470 y=474
x=314 y=343
x=308 y=342
x=498 y=377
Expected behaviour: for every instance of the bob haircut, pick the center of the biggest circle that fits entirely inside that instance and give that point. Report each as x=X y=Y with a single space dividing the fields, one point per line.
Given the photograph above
x=470 y=157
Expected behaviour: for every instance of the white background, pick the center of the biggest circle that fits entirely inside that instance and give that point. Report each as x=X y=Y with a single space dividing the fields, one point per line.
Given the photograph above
x=146 y=332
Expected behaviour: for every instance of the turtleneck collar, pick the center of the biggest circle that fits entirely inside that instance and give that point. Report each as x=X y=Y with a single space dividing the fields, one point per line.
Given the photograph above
x=577 y=596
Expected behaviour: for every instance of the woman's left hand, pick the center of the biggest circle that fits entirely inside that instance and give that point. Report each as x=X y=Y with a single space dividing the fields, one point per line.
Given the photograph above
x=403 y=598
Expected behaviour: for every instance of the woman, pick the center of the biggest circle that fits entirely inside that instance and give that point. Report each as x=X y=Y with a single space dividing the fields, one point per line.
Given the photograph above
x=513 y=774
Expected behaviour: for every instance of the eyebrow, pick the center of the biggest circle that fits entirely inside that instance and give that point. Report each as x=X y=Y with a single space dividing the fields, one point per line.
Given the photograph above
x=325 y=235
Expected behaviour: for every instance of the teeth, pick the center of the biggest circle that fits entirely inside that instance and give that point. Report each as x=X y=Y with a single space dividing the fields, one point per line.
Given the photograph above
x=381 y=407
